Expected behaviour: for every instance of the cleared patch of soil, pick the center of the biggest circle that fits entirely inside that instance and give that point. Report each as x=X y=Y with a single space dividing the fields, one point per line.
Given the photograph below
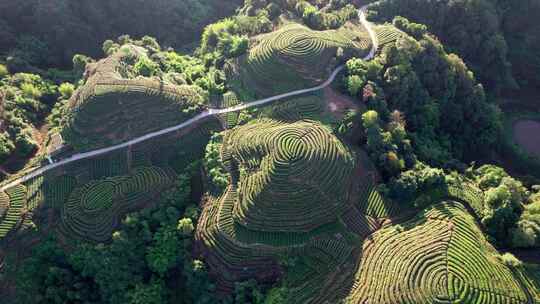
x=527 y=135
x=338 y=103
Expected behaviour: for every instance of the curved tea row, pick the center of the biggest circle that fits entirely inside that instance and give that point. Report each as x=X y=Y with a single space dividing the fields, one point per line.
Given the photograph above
x=440 y=256
x=289 y=184
x=387 y=34
x=110 y=109
x=92 y=211
x=295 y=56
x=295 y=177
x=13 y=202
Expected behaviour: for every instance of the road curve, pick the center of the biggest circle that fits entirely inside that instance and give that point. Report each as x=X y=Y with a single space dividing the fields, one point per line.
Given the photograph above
x=203 y=115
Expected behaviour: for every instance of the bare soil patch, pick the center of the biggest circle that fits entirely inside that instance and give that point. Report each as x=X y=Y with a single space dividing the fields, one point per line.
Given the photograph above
x=338 y=103
x=527 y=135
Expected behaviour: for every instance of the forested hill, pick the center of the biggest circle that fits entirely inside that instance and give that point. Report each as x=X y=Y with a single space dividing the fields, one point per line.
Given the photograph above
x=49 y=33
x=498 y=39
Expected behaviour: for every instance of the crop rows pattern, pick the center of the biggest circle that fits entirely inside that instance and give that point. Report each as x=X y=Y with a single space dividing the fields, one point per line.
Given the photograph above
x=231 y=119
x=297 y=56
x=440 y=256
x=57 y=190
x=35 y=194
x=290 y=175
x=470 y=194
x=92 y=211
x=387 y=34
x=289 y=184
x=308 y=107
x=17 y=204
x=110 y=109
x=373 y=204
x=4 y=204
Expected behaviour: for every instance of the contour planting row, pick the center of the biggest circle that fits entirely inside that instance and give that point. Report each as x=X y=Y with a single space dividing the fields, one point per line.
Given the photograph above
x=256 y=75
x=118 y=113
x=230 y=260
x=309 y=107
x=240 y=233
x=4 y=204
x=17 y=204
x=387 y=34
x=441 y=256
x=403 y=264
x=469 y=194
x=236 y=254
x=359 y=223
x=373 y=204
x=110 y=109
x=92 y=211
x=266 y=213
x=229 y=100
x=57 y=190
x=320 y=272
x=475 y=275
x=296 y=52
x=297 y=175
x=35 y=192
x=111 y=165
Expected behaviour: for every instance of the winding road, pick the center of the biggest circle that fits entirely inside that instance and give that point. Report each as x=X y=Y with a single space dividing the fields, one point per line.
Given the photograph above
x=201 y=116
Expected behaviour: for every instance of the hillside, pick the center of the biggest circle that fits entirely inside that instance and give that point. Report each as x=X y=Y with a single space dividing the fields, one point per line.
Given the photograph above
x=304 y=152
x=296 y=57
x=114 y=105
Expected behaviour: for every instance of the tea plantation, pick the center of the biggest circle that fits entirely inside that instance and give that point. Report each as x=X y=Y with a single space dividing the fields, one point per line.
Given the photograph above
x=113 y=107
x=353 y=191
x=295 y=57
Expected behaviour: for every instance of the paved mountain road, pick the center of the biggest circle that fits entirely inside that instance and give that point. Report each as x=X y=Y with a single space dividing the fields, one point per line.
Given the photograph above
x=201 y=116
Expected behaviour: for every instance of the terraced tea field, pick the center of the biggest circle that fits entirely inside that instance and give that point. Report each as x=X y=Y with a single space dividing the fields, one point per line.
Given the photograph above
x=387 y=34
x=277 y=158
x=93 y=210
x=90 y=197
x=290 y=196
x=298 y=206
x=441 y=256
x=110 y=109
x=289 y=184
x=295 y=56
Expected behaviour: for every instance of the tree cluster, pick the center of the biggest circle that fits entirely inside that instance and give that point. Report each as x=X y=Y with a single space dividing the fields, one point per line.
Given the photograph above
x=214 y=168
x=504 y=200
x=318 y=15
x=470 y=28
x=42 y=33
x=387 y=143
x=228 y=38
x=527 y=231
x=335 y=14
x=420 y=179
x=167 y=65
x=148 y=261
x=449 y=118
x=25 y=100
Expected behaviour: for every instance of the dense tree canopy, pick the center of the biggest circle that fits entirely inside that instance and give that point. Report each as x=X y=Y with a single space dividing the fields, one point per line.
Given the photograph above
x=447 y=113
x=25 y=100
x=470 y=28
x=42 y=32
